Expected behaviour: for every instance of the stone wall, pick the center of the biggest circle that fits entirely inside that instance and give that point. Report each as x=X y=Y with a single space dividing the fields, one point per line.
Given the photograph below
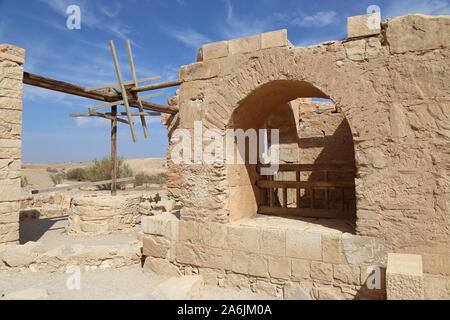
x=96 y=214
x=11 y=73
x=277 y=260
x=43 y=206
x=392 y=87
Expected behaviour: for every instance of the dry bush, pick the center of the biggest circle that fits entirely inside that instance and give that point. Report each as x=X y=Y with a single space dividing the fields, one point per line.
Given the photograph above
x=100 y=171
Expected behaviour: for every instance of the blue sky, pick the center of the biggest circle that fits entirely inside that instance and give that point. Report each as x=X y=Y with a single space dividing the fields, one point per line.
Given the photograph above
x=166 y=34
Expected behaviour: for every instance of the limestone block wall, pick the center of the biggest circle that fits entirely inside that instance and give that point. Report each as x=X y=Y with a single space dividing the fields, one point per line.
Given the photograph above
x=392 y=87
x=278 y=261
x=11 y=73
x=43 y=206
x=103 y=214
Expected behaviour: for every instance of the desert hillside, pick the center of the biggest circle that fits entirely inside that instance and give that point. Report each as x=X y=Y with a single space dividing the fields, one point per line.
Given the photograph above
x=38 y=174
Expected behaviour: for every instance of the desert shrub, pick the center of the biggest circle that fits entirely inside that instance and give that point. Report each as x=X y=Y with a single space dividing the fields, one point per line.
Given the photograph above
x=23 y=182
x=57 y=178
x=77 y=174
x=100 y=171
x=159 y=178
x=142 y=178
x=52 y=170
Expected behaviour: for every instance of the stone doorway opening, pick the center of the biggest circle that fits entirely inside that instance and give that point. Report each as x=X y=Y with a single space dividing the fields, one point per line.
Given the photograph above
x=316 y=173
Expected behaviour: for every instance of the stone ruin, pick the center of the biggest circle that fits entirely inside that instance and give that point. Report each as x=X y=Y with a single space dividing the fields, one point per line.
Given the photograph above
x=389 y=119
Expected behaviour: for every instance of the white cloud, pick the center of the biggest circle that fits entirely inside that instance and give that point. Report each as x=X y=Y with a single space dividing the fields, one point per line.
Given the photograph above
x=83 y=122
x=238 y=27
x=188 y=36
x=403 y=7
x=317 y=20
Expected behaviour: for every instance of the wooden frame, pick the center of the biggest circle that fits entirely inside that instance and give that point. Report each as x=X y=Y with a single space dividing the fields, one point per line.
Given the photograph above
x=270 y=186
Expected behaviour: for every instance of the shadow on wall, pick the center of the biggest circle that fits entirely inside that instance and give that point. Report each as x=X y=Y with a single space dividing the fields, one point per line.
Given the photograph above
x=333 y=144
x=34 y=230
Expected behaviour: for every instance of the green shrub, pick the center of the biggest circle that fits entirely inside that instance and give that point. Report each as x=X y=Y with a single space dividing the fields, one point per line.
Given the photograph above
x=52 y=170
x=77 y=174
x=23 y=182
x=142 y=178
x=100 y=171
x=57 y=178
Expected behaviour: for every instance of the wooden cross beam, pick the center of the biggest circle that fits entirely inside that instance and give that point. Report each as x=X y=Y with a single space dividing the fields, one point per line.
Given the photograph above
x=64 y=87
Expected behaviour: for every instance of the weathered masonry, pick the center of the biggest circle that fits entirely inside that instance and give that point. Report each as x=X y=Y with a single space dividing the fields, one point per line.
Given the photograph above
x=389 y=120
x=363 y=188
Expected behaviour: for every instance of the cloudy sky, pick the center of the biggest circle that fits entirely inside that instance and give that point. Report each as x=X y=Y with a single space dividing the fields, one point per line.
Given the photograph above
x=165 y=34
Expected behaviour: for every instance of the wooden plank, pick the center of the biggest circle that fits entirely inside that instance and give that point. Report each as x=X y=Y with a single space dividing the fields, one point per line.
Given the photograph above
x=101 y=115
x=94 y=114
x=298 y=178
x=115 y=103
x=112 y=85
x=122 y=88
x=305 y=184
x=271 y=198
x=153 y=114
x=82 y=185
x=133 y=73
x=327 y=193
x=158 y=107
x=312 y=198
x=114 y=151
x=156 y=86
x=304 y=212
x=64 y=87
x=111 y=104
x=313 y=167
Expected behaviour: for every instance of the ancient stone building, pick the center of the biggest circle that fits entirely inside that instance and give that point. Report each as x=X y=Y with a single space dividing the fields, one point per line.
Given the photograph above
x=390 y=120
x=362 y=191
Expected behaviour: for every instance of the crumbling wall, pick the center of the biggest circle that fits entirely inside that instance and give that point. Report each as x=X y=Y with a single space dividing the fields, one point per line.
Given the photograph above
x=11 y=73
x=392 y=87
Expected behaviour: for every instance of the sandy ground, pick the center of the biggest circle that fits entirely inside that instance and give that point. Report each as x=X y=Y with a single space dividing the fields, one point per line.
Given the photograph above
x=128 y=283
x=124 y=284
x=39 y=178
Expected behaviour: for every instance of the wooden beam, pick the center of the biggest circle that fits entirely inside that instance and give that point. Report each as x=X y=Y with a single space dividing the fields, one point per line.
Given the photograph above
x=304 y=212
x=156 y=86
x=64 y=87
x=112 y=85
x=153 y=114
x=135 y=83
x=115 y=103
x=122 y=89
x=96 y=114
x=313 y=167
x=158 y=107
x=114 y=151
x=264 y=184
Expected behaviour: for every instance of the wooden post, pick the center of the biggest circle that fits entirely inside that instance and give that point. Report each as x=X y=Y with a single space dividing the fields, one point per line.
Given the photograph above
x=114 y=151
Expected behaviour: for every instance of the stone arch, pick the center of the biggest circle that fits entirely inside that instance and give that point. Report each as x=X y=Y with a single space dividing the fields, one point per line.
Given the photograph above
x=270 y=106
x=213 y=89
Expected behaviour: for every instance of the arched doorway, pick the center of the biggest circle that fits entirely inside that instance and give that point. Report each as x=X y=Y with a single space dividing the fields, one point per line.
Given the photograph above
x=315 y=176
